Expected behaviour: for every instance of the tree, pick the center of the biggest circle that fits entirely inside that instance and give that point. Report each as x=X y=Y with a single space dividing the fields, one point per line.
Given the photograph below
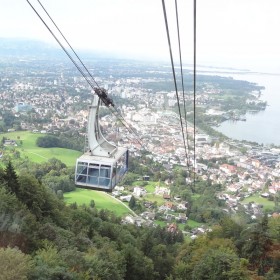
x=14 y=264
x=17 y=224
x=129 y=178
x=48 y=141
x=11 y=179
x=32 y=194
x=50 y=265
x=2 y=176
x=59 y=194
x=92 y=203
x=257 y=245
x=274 y=228
x=137 y=266
x=163 y=261
x=105 y=263
x=132 y=203
x=58 y=182
x=230 y=229
x=218 y=265
x=40 y=200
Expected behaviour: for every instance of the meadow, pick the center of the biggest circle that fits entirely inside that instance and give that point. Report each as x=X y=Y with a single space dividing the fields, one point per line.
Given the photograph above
x=191 y=223
x=267 y=205
x=102 y=200
x=26 y=145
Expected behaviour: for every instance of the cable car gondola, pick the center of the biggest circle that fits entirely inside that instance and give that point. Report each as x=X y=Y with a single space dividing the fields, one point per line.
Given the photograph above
x=104 y=164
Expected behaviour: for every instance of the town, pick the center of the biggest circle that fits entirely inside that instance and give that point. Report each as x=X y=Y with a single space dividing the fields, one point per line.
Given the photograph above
x=51 y=98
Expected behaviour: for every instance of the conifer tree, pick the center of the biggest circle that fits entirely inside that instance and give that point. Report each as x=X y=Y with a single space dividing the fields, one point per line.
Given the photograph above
x=132 y=203
x=11 y=179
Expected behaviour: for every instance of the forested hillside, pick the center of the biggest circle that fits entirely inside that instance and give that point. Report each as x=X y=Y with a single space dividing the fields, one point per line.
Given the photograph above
x=42 y=238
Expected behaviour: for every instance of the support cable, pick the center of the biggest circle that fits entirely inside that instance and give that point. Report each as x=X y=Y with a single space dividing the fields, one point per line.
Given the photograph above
x=63 y=48
x=113 y=110
x=173 y=71
x=182 y=80
x=194 y=86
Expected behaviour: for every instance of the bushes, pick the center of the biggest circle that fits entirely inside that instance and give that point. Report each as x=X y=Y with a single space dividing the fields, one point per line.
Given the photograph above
x=48 y=141
x=51 y=141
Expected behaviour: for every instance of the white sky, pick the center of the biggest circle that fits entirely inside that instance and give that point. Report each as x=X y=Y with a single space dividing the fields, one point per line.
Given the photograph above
x=232 y=33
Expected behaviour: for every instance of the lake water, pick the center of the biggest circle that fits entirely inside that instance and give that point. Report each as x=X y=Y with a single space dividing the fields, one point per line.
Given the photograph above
x=262 y=127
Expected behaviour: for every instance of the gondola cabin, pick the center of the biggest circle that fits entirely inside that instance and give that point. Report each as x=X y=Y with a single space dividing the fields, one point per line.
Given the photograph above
x=99 y=173
x=104 y=164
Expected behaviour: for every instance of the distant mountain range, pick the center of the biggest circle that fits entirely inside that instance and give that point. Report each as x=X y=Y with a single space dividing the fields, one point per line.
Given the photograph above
x=28 y=48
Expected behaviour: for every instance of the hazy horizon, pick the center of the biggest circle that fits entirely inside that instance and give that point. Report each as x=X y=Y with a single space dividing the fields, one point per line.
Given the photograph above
x=232 y=33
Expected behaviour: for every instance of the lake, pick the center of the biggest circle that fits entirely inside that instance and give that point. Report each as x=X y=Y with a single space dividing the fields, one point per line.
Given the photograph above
x=262 y=127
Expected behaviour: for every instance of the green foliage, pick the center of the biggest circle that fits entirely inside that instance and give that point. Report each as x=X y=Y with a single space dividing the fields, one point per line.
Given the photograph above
x=8 y=119
x=62 y=183
x=257 y=244
x=48 y=141
x=14 y=264
x=274 y=228
x=32 y=194
x=137 y=265
x=17 y=224
x=132 y=203
x=217 y=265
x=162 y=259
x=105 y=263
x=207 y=208
x=129 y=178
x=11 y=179
x=61 y=141
x=92 y=203
x=87 y=242
x=209 y=259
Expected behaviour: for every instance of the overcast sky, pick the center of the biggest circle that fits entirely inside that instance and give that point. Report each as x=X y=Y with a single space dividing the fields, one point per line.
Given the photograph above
x=232 y=33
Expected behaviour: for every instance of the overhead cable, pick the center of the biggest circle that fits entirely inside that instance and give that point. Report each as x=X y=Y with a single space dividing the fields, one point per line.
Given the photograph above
x=173 y=71
x=194 y=85
x=182 y=82
x=68 y=43
x=90 y=82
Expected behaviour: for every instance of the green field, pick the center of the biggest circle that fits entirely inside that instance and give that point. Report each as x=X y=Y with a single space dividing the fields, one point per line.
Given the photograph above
x=267 y=205
x=155 y=198
x=190 y=223
x=150 y=187
x=102 y=200
x=27 y=147
x=193 y=224
x=196 y=196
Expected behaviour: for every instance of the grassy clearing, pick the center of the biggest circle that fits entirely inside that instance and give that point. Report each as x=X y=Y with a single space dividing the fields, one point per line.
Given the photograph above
x=150 y=187
x=191 y=223
x=267 y=205
x=161 y=223
x=196 y=196
x=155 y=198
x=27 y=147
x=101 y=199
